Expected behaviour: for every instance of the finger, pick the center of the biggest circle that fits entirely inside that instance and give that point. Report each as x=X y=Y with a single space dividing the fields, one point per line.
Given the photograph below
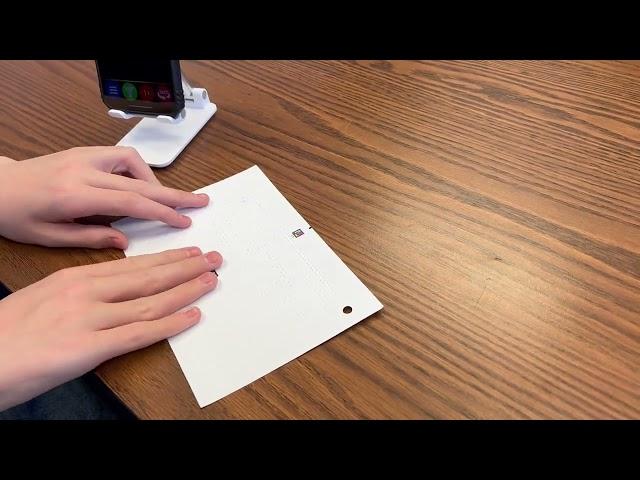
x=167 y=196
x=143 y=283
x=97 y=201
x=77 y=235
x=123 y=160
x=141 y=262
x=134 y=336
x=156 y=306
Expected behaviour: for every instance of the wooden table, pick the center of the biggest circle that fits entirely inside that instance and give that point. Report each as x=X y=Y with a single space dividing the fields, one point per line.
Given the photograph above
x=493 y=207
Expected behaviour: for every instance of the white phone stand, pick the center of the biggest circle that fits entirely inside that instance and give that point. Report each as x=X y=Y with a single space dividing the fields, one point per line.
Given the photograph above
x=160 y=139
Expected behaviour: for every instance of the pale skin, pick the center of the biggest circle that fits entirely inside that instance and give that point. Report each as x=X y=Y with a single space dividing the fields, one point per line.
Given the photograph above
x=67 y=324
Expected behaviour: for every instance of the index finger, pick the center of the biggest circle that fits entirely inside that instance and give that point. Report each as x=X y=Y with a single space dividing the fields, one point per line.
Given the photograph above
x=90 y=201
x=158 y=193
x=141 y=262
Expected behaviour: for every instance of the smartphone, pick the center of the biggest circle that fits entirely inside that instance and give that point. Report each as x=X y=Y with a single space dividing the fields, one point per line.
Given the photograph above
x=146 y=87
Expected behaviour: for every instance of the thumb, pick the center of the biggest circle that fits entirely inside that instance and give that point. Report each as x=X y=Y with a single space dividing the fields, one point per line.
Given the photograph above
x=77 y=235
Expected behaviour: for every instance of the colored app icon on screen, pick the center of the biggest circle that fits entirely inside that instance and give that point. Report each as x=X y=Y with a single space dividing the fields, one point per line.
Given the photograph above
x=112 y=88
x=129 y=91
x=164 y=93
x=147 y=93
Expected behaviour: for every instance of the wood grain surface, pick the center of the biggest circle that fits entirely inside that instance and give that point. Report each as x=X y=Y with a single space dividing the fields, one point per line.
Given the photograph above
x=492 y=206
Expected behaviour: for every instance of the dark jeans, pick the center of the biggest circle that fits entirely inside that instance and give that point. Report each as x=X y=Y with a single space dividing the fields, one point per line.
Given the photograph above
x=85 y=398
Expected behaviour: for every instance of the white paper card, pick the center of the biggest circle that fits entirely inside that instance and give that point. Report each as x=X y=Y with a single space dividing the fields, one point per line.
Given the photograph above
x=279 y=295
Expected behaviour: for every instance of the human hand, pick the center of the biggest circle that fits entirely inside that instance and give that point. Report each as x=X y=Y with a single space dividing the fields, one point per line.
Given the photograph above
x=67 y=324
x=41 y=197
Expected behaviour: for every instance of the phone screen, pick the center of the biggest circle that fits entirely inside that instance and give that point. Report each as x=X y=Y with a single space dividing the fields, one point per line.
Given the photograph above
x=145 y=81
x=141 y=85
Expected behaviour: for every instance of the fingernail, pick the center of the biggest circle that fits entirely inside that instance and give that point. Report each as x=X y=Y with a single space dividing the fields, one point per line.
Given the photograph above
x=117 y=242
x=208 y=278
x=203 y=195
x=194 y=251
x=192 y=312
x=213 y=258
x=186 y=219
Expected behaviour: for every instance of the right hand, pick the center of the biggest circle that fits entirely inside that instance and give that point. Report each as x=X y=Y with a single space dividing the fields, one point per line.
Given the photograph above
x=72 y=321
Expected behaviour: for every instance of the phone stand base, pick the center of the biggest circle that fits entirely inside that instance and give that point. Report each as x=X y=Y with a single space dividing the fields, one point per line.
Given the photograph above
x=159 y=140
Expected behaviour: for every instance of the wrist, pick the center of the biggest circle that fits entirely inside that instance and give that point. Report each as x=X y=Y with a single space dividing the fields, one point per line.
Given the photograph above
x=9 y=196
x=10 y=391
x=19 y=381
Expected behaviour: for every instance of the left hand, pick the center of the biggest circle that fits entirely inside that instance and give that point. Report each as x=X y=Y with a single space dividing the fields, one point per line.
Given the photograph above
x=41 y=198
